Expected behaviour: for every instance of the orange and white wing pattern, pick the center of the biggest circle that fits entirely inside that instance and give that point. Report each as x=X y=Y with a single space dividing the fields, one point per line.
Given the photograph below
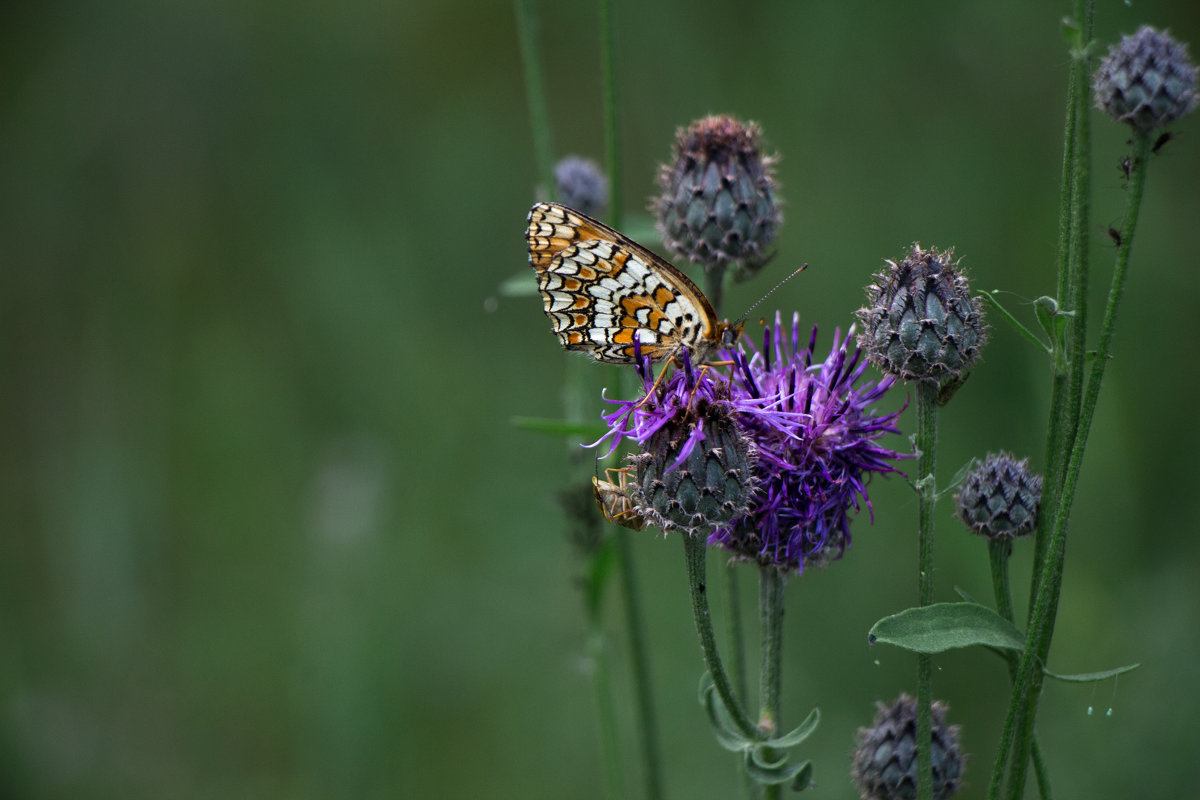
x=603 y=291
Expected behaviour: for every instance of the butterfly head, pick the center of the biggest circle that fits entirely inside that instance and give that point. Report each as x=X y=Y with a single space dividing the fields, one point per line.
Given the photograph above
x=730 y=331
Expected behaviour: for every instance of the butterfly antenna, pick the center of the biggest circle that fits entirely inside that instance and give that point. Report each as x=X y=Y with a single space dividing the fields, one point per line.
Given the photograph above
x=760 y=300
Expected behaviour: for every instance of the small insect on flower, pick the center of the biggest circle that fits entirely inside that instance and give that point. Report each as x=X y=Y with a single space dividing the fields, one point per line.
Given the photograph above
x=1115 y=235
x=612 y=498
x=611 y=298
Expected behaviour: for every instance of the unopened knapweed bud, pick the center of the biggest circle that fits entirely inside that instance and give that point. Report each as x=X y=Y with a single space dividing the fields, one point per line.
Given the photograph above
x=885 y=759
x=1147 y=80
x=921 y=323
x=718 y=206
x=999 y=497
x=581 y=184
x=710 y=486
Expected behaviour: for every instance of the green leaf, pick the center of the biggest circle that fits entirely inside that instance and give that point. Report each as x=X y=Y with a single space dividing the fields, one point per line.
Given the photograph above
x=1013 y=322
x=522 y=285
x=559 y=427
x=723 y=728
x=803 y=777
x=1091 y=677
x=945 y=626
x=762 y=768
x=799 y=733
x=961 y=592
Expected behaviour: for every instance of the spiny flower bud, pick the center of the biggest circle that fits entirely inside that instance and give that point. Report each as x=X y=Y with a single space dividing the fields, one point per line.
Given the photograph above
x=922 y=323
x=581 y=184
x=1147 y=80
x=710 y=486
x=885 y=759
x=1000 y=497
x=717 y=206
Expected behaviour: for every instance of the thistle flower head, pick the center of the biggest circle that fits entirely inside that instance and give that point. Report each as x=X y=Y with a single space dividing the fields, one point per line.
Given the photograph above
x=999 y=497
x=581 y=184
x=1146 y=80
x=885 y=759
x=921 y=323
x=786 y=447
x=718 y=207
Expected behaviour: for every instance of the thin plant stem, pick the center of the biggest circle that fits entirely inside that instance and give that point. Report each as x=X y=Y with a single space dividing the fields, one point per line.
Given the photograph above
x=771 y=608
x=640 y=662
x=1023 y=707
x=612 y=128
x=694 y=549
x=999 y=551
x=535 y=95
x=1058 y=390
x=734 y=628
x=1080 y=214
x=927 y=406
x=602 y=685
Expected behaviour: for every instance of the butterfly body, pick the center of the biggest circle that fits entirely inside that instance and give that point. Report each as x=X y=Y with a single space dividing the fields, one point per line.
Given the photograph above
x=611 y=298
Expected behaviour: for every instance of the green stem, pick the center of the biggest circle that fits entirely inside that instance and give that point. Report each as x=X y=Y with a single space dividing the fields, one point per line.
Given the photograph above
x=737 y=640
x=999 y=550
x=612 y=132
x=1023 y=707
x=1080 y=214
x=695 y=551
x=734 y=628
x=1067 y=239
x=601 y=683
x=770 y=605
x=535 y=95
x=647 y=720
x=771 y=608
x=927 y=406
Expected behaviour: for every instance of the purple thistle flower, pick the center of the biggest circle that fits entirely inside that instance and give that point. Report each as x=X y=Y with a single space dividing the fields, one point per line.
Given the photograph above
x=812 y=442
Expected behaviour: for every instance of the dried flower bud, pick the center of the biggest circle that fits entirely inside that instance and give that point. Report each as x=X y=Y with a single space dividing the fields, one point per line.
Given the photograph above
x=717 y=206
x=1147 y=80
x=922 y=323
x=711 y=486
x=1000 y=497
x=581 y=184
x=885 y=759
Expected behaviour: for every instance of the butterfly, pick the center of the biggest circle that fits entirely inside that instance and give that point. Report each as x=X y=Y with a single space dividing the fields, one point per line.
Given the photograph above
x=603 y=292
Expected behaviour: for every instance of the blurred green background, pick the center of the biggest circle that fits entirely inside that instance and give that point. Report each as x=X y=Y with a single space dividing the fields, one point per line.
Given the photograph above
x=267 y=529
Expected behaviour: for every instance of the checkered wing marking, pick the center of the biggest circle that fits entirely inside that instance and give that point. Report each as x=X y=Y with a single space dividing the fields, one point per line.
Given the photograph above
x=602 y=291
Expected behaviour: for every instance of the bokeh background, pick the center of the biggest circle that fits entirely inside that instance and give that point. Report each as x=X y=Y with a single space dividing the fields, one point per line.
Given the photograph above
x=267 y=528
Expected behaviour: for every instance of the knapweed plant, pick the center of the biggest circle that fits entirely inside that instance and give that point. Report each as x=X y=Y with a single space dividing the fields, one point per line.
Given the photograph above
x=762 y=446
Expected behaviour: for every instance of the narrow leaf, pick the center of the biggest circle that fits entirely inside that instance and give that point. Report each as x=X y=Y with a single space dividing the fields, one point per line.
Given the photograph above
x=723 y=728
x=799 y=733
x=945 y=626
x=771 y=773
x=559 y=427
x=1092 y=677
x=1016 y=325
x=803 y=777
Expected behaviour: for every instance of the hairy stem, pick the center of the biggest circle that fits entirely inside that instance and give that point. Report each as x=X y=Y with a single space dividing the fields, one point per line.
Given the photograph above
x=695 y=549
x=927 y=406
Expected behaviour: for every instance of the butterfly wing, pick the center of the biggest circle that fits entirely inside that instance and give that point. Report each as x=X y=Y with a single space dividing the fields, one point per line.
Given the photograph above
x=603 y=291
